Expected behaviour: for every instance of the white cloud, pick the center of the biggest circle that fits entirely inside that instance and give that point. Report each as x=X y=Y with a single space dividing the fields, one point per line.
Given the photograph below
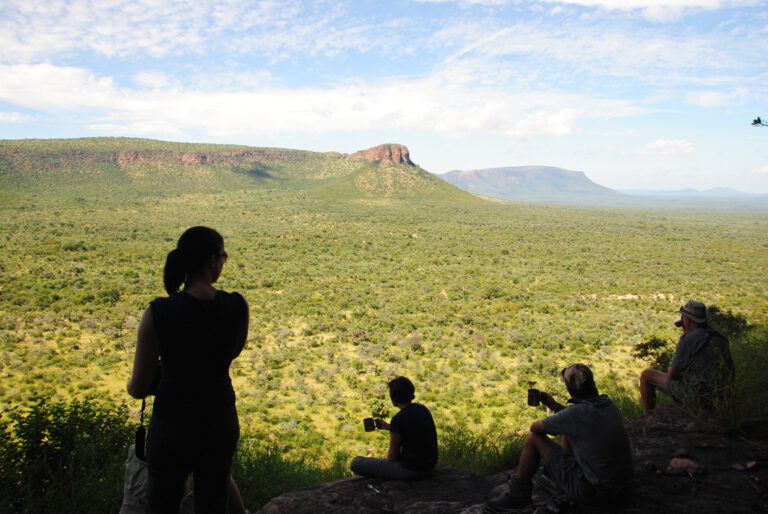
x=466 y=2
x=658 y=10
x=151 y=79
x=668 y=147
x=536 y=52
x=716 y=98
x=13 y=117
x=271 y=29
x=645 y=4
x=763 y=170
x=49 y=87
x=435 y=104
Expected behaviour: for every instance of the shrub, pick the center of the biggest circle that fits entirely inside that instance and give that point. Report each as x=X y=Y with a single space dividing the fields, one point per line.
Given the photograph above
x=656 y=351
x=732 y=325
x=64 y=457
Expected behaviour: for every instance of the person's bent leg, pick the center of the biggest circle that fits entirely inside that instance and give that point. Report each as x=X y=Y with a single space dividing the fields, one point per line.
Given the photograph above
x=535 y=448
x=382 y=468
x=650 y=380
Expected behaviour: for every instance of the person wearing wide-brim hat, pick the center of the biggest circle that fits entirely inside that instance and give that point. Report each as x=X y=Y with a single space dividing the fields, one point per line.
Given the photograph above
x=701 y=368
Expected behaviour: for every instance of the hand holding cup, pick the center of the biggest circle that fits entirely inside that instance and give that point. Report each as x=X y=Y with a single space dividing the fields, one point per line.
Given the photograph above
x=534 y=397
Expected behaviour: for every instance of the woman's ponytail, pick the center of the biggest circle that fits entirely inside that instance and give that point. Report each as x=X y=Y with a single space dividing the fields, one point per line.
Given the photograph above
x=194 y=249
x=174 y=273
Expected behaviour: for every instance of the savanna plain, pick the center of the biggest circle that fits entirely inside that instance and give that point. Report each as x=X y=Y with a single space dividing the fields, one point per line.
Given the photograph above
x=355 y=273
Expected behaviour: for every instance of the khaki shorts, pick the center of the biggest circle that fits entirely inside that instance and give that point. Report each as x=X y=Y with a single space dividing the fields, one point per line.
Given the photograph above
x=561 y=467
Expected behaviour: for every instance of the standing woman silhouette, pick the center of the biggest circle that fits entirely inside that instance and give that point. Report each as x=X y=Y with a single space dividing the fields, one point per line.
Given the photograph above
x=196 y=333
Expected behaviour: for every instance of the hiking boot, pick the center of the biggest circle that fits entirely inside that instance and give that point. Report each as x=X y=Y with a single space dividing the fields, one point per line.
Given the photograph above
x=518 y=495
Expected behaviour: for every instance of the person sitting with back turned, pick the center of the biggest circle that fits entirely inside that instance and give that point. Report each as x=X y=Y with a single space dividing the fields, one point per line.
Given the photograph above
x=702 y=368
x=412 y=439
x=594 y=463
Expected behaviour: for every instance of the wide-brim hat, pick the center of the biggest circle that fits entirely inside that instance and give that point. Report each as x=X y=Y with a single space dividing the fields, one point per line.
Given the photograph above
x=695 y=311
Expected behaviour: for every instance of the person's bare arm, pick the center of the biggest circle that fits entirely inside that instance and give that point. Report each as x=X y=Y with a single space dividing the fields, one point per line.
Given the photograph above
x=673 y=373
x=394 y=446
x=147 y=353
x=549 y=401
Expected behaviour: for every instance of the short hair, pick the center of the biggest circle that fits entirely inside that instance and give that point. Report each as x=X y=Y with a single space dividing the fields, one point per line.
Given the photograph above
x=401 y=390
x=579 y=380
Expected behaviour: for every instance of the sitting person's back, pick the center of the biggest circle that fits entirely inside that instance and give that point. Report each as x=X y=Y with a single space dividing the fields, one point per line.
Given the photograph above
x=705 y=366
x=418 y=447
x=412 y=439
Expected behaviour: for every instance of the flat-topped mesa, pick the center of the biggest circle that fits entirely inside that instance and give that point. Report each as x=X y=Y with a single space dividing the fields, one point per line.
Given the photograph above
x=397 y=154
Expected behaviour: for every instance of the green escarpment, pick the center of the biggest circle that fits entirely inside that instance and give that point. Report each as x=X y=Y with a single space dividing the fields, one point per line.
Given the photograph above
x=110 y=165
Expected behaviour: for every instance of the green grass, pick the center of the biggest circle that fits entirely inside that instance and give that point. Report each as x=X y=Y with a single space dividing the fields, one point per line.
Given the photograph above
x=355 y=273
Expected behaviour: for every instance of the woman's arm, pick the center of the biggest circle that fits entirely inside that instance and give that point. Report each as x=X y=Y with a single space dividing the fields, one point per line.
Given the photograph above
x=394 y=446
x=147 y=353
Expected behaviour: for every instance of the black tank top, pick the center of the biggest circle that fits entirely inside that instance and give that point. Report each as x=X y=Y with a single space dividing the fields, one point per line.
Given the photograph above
x=198 y=341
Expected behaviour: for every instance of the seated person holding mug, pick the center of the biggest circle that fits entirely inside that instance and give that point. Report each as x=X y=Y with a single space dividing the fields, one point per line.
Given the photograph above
x=412 y=439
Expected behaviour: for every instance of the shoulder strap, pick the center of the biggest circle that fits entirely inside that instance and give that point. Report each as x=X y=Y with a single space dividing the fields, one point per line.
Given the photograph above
x=141 y=434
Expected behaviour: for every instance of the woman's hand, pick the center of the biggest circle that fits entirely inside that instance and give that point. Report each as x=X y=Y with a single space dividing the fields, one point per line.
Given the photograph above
x=381 y=424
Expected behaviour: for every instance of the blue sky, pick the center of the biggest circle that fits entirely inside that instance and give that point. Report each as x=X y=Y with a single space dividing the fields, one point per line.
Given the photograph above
x=638 y=94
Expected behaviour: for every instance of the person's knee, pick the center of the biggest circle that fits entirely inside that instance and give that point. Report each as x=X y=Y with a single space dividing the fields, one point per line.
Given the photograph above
x=648 y=377
x=530 y=439
x=535 y=442
x=357 y=465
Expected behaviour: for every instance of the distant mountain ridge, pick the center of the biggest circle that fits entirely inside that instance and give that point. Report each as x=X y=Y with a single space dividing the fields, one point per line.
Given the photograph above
x=533 y=184
x=719 y=192
x=149 y=165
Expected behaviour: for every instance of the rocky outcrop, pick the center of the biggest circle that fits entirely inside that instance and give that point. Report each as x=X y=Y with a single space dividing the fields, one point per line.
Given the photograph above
x=397 y=154
x=681 y=466
x=230 y=158
x=447 y=489
x=79 y=159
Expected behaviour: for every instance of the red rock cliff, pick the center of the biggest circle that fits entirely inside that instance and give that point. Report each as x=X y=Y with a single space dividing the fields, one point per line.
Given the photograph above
x=134 y=158
x=397 y=154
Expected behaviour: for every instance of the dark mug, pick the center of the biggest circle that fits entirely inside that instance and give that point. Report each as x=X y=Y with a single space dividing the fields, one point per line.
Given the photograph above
x=534 y=397
x=369 y=425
